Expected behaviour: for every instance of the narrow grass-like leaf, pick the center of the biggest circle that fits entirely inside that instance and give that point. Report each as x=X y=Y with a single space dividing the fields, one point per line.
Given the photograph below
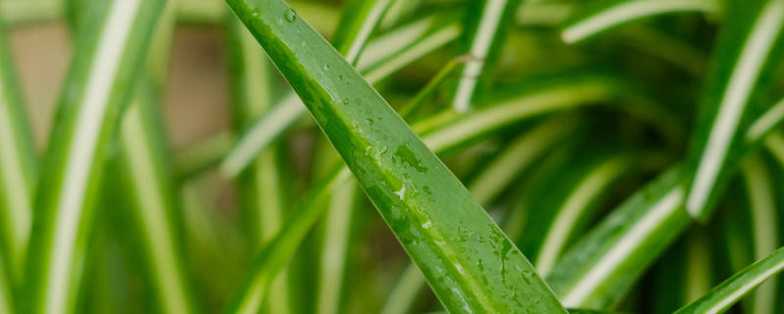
x=410 y=109
x=765 y=220
x=739 y=245
x=145 y=155
x=541 y=96
x=726 y=105
x=398 y=11
x=541 y=13
x=605 y=15
x=485 y=36
x=698 y=265
x=496 y=176
x=766 y=122
x=261 y=186
x=775 y=144
x=424 y=204
x=143 y=160
x=667 y=47
x=358 y=23
x=411 y=45
x=192 y=160
x=600 y=269
x=353 y=35
x=154 y=205
x=334 y=248
x=6 y=292
x=537 y=98
x=17 y=167
x=733 y=289
x=562 y=205
x=517 y=155
x=415 y=39
x=111 y=47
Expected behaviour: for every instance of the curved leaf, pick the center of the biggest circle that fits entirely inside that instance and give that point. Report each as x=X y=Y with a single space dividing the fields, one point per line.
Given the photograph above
x=497 y=175
x=561 y=205
x=413 y=41
x=425 y=205
x=722 y=297
x=608 y=14
x=17 y=167
x=727 y=105
x=111 y=46
x=541 y=96
x=485 y=34
x=261 y=189
x=600 y=269
x=765 y=230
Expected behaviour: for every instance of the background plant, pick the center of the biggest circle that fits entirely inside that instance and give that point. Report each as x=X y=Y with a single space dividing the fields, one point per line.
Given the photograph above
x=522 y=156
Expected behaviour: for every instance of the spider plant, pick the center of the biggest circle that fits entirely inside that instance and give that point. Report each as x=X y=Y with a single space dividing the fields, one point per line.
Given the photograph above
x=262 y=183
x=485 y=39
x=114 y=37
x=382 y=62
x=17 y=167
x=426 y=230
x=728 y=93
x=521 y=157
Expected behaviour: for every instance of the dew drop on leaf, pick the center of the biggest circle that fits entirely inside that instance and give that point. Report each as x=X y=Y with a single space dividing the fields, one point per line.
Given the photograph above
x=291 y=16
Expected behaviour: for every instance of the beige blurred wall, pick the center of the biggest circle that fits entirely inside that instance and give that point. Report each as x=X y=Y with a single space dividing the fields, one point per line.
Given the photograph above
x=196 y=101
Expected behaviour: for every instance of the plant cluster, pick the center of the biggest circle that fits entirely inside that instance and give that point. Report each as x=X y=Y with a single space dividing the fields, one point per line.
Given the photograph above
x=522 y=157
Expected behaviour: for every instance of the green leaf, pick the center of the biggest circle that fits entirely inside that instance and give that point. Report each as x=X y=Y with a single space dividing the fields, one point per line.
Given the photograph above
x=17 y=167
x=110 y=49
x=425 y=205
x=534 y=98
x=561 y=204
x=598 y=271
x=520 y=154
x=6 y=295
x=155 y=207
x=195 y=159
x=765 y=227
x=143 y=160
x=358 y=23
x=378 y=62
x=745 y=56
x=485 y=35
x=261 y=186
x=601 y=16
x=723 y=296
x=775 y=144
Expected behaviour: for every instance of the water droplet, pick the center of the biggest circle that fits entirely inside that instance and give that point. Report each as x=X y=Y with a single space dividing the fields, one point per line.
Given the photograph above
x=291 y=16
x=427 y=224
x=402 y=192
x=345 y=101
x=459 y=268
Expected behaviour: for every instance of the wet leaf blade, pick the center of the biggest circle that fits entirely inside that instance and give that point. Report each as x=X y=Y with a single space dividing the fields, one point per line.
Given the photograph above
x=424 y=204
